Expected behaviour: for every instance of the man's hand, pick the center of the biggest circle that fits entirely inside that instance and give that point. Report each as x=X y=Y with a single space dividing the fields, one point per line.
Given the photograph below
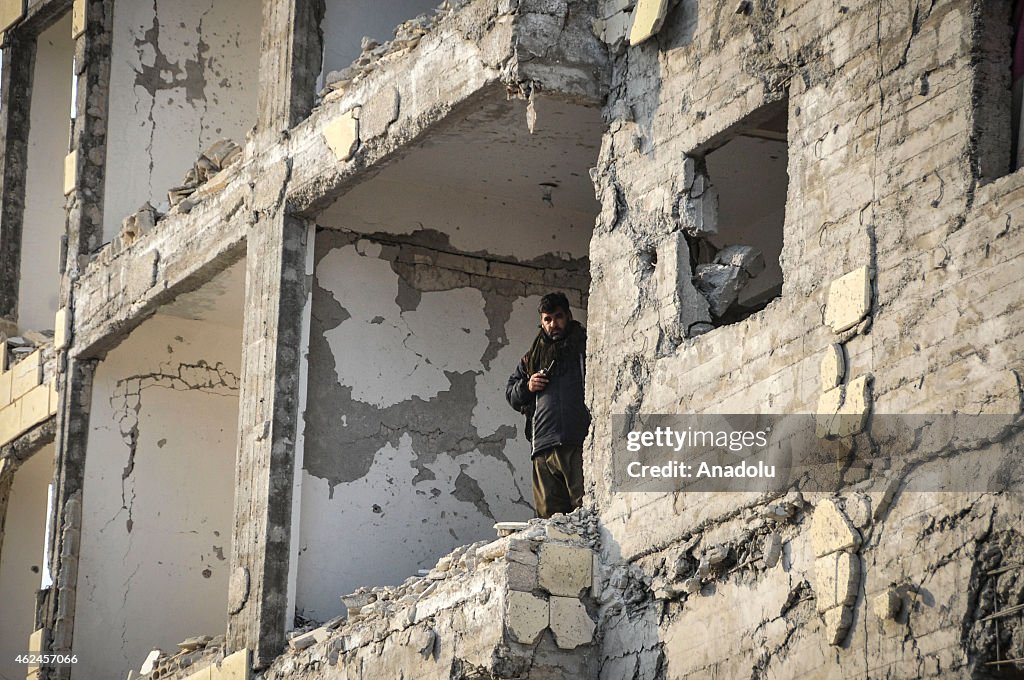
x=538 y=381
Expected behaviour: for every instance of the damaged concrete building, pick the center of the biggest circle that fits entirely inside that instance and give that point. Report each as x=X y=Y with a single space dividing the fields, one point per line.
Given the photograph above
x=266 y=265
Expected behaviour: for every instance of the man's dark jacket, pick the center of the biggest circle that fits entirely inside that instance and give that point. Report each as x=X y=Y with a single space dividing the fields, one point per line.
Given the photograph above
x=557 y=414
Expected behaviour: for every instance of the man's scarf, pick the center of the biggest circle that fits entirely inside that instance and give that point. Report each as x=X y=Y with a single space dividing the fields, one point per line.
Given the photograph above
x=544 y=350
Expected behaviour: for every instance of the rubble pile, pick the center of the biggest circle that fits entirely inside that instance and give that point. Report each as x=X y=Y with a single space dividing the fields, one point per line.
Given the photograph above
x=192 y=653
x=219 y=156
x=721 y=281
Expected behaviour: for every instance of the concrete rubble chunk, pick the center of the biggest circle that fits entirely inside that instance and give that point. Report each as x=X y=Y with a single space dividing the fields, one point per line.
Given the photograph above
x=193 y=643
x=849 y=300
x=342 y=135
x=836 y=580
x=302 y=641
x=648 y=16
x=831 y=530
x=833 y=366
x=720 y=285
x=772 y=549
x=220 y=155
x=837 y=624
x=887 y=604
x=150 y=662
x=570 y=623
x=526 y=616
x=509 y=528
x=853 y=415
x=564 y=570
x=747 y=258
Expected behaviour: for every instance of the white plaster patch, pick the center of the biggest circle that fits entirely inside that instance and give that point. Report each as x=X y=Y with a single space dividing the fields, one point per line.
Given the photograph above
x=388 y=356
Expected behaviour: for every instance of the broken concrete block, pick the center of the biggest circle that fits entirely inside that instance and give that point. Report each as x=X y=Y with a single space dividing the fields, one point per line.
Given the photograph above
x=522 y=577
x=70 y=172
x=78 y=19
x=150 y=662
x=853 y=414
x=826 y=418
x=887 y=604
x=303 y=641
x=849 y=300
x=720 y=285
x=508 y=528
x=836 y=580
x=342 y=135
x=837 y=624
x=747 y=258
x=831 y=530
x=194 y=643
x=833 y=366
x=61 y=328
x=564 y=570
x=570 y=623
x=772 y=549
x=648 y=16
x=526 y=616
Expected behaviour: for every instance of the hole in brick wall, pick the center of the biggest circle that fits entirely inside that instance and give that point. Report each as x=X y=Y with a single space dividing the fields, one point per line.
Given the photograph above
x=742 y=184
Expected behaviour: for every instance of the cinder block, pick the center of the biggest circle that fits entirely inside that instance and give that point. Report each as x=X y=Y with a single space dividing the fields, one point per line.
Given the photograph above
x=5 y=388
x=10 y=12
x=849 y=300
x=78 y=18
x=70 y=172
x=233 y=667
x=342 y=135
x=526 y=616
x=27 y=374
x=61 y=328
x=564 y=570
x=10 y=421
x=570 y=623
x=35 y=407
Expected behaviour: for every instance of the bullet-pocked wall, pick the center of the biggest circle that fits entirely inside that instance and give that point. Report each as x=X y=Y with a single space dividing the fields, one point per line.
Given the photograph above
x=21 y=557
x=347 y=22
x=49 y=133
x=426 y=285
x=183 y=75
x=158 y=498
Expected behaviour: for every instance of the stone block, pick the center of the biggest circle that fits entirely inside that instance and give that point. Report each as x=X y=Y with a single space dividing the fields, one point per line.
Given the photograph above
x=564 y=570
x=342 y=135
x=570 y=623
x=61 y=328
x=35 y=407
x=886 y=605
x=648 y=16
x=78 y=18
x=849 y=300
x=526 y=616
x=833 y=366
x=10 y=12
x=837 y=624
x=853 y=415
x=831 y=530
x=233 y=667
x=70 y=172
x=836 y=579
x=5 y=388
x=772 y=549
x=27 y=374
x=827 y=412
x=10 y=421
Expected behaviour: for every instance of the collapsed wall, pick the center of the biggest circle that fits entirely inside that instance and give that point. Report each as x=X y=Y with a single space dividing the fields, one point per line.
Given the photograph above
x=897 y=298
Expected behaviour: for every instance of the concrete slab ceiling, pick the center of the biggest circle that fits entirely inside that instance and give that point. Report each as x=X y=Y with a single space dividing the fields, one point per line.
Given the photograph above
x=221 y=300
x=481 y=175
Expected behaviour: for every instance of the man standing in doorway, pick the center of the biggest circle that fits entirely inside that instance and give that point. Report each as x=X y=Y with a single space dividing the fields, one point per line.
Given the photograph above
x=547 y=386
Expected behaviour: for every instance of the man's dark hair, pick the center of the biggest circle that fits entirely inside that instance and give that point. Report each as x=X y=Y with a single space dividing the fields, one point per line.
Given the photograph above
x=552 y=302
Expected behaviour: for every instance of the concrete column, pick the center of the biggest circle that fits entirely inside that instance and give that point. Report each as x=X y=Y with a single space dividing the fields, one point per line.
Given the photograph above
x=275 y=292
x=291 y=51
x=89 y=137
x=69 y=476
x=15 y=95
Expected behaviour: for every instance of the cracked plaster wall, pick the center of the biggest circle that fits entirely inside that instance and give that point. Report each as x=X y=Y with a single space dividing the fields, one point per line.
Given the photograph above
x=410 y=448
x=44 y=217
x=183 y=75
x=882 y=173
x=21 y=559
x=158 y=500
